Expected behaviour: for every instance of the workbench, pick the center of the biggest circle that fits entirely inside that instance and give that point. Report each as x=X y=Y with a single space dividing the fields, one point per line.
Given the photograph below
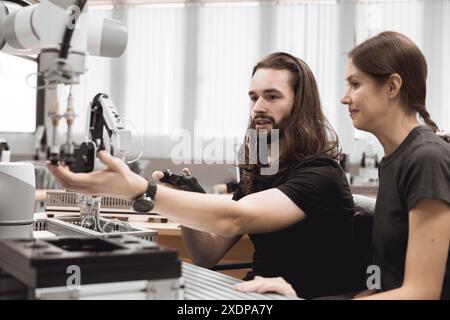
x=199 y=283
x=169 y=235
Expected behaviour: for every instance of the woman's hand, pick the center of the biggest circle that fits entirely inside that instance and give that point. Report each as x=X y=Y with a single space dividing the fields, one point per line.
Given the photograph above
x=263 y=285
x=114 y=180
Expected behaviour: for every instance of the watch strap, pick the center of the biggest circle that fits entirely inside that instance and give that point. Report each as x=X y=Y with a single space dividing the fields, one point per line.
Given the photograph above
x=151 y=190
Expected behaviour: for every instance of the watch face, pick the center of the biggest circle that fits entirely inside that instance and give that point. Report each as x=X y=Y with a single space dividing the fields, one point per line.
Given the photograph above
x=143 y=205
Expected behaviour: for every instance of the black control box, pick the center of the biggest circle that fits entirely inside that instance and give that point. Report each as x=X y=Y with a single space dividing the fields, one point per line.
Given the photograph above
x=112 y=258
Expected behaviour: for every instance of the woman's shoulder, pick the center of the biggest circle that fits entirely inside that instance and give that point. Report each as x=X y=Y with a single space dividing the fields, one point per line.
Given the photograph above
x=430 y=157
x=430 y=147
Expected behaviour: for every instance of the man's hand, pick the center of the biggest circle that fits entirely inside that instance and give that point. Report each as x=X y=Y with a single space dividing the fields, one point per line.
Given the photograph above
x=114 y=180
x=263 y=285
x=158 y=175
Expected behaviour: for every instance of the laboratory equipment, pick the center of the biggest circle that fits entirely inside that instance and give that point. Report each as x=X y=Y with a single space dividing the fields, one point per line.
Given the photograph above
x=17 y=194
x=62 y=33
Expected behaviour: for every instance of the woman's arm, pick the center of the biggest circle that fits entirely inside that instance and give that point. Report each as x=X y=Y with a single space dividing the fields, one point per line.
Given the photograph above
x=427 y=253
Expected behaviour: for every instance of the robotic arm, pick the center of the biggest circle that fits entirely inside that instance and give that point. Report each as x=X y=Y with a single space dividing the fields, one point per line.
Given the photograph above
x=105 y=122
x=62 y=34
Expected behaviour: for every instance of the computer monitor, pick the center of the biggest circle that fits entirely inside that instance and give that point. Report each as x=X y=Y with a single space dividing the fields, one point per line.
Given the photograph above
x=17 y=97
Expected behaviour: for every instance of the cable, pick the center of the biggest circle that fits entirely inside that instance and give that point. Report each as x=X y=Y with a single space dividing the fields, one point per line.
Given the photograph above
x=26 y=57
x=65 y=46
x=137 y=158
x=117 y=223
x=140 y=140
x=27 y=81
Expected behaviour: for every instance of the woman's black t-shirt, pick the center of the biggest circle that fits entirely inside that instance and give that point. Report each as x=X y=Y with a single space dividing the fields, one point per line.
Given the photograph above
x=419 y=168
x=314 y=255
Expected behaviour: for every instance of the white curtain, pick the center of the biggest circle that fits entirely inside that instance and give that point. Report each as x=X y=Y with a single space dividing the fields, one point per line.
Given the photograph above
x=228 y=47
x=188 y=66
x=153 y=74
x=309 y=32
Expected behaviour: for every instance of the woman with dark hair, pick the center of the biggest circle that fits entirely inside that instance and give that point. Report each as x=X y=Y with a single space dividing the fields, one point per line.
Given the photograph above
x=298 y=217
x=386 y=93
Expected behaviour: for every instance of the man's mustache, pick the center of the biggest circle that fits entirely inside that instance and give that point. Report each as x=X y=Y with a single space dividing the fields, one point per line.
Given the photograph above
x=264 y=117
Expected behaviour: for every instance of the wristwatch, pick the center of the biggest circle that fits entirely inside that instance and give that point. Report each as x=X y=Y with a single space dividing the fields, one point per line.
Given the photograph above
x=145 y=203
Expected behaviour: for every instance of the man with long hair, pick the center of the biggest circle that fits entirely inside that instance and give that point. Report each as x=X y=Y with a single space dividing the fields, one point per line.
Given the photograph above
x=299 y=217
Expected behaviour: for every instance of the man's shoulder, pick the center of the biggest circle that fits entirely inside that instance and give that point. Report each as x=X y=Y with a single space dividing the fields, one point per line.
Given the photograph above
x=320 y=168
x=319 y=161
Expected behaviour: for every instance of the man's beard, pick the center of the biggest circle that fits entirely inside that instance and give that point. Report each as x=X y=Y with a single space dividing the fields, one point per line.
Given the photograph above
x=269 y=134
x=263 y=145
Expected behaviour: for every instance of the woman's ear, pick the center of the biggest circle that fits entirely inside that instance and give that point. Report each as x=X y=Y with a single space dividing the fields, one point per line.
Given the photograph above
x=394 y=85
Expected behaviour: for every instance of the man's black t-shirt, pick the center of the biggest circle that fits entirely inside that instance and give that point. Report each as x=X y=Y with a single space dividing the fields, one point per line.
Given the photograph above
x=419 y=168
x=315 y=254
